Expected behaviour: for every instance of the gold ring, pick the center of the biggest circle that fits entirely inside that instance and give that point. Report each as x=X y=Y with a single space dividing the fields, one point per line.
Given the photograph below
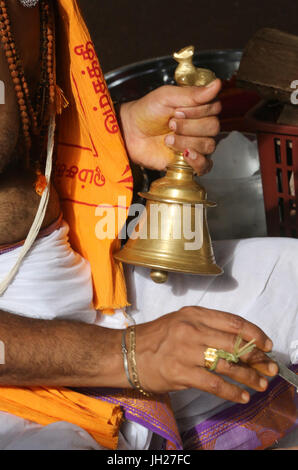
x=211 y=358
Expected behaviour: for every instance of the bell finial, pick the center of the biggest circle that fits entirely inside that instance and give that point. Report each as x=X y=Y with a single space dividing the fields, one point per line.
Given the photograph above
x=186 y=73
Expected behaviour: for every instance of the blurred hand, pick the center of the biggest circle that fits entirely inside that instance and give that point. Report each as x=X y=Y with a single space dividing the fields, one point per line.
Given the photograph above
x=170 y=353
x=173 y=118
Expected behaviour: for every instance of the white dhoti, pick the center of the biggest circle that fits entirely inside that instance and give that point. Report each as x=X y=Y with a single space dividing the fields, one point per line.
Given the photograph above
x=260 y=284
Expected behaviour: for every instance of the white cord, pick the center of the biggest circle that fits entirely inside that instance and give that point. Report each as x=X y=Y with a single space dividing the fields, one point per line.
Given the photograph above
x=39 y=218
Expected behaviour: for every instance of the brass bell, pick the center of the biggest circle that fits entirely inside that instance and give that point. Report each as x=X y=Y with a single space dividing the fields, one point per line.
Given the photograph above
x=172 y=233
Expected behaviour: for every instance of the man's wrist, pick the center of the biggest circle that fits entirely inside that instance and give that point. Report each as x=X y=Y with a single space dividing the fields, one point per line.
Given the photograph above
x=110 y=369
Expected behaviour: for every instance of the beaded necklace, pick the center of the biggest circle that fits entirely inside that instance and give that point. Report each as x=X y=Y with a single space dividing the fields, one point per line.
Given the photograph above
x=34 y=117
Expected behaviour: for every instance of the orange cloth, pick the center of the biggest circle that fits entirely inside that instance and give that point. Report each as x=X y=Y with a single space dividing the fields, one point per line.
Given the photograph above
x=92 y=167
x=47 y=405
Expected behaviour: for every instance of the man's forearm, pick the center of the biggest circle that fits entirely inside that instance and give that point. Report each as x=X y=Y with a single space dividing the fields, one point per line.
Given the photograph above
x=59 y=353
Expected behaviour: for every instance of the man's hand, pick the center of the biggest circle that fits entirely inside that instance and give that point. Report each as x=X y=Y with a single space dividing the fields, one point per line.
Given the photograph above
x=173 y=118
x=170 y=353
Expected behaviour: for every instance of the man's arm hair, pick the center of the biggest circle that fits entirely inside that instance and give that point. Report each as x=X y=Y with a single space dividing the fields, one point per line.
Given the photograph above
x=59 y=353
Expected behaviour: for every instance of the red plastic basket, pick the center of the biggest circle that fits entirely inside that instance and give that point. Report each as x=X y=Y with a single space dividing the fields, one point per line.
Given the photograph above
x=278 y=150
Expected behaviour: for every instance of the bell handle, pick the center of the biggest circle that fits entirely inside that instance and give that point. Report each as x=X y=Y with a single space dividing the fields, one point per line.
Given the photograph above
x=187 y=74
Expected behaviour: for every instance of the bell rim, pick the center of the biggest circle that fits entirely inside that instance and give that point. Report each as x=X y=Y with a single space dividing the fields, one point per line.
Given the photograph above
x=216 y=271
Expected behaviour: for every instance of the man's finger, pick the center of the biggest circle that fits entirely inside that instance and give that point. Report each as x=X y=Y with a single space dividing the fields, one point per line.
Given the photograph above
x=243 y=374
x=203 y=145
x=198 y=112
x=200 y=164
x=240 y=372
x=216 y=385
x=194 y=151
x=183 y=97
x=204 y=127
x=230 y=323
x=256 y=359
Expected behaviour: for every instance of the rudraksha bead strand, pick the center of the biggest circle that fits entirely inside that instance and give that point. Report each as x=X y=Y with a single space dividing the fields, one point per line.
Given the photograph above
x=34 y=120
x=13 y=64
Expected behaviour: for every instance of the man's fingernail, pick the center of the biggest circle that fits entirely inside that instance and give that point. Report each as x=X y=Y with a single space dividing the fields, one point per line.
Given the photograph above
x=179 y=115
x=263 y=383
x=273 y=368
x=210 y=85
x=190 y=154
x=170 y=139
x=245 y=397
x=268 y=345
x=173 y=125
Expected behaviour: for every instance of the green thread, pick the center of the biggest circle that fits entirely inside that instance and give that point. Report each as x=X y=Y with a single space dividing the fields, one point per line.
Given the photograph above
x=235 y=356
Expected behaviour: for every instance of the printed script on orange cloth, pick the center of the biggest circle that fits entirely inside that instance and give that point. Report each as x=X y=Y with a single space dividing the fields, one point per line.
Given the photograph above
x=92 y=167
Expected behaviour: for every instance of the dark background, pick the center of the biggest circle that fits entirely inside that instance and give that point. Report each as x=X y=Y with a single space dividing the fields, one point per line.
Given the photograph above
x=133 y=30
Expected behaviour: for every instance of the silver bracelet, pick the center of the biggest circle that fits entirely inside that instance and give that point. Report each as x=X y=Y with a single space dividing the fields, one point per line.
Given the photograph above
x=125 y=361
